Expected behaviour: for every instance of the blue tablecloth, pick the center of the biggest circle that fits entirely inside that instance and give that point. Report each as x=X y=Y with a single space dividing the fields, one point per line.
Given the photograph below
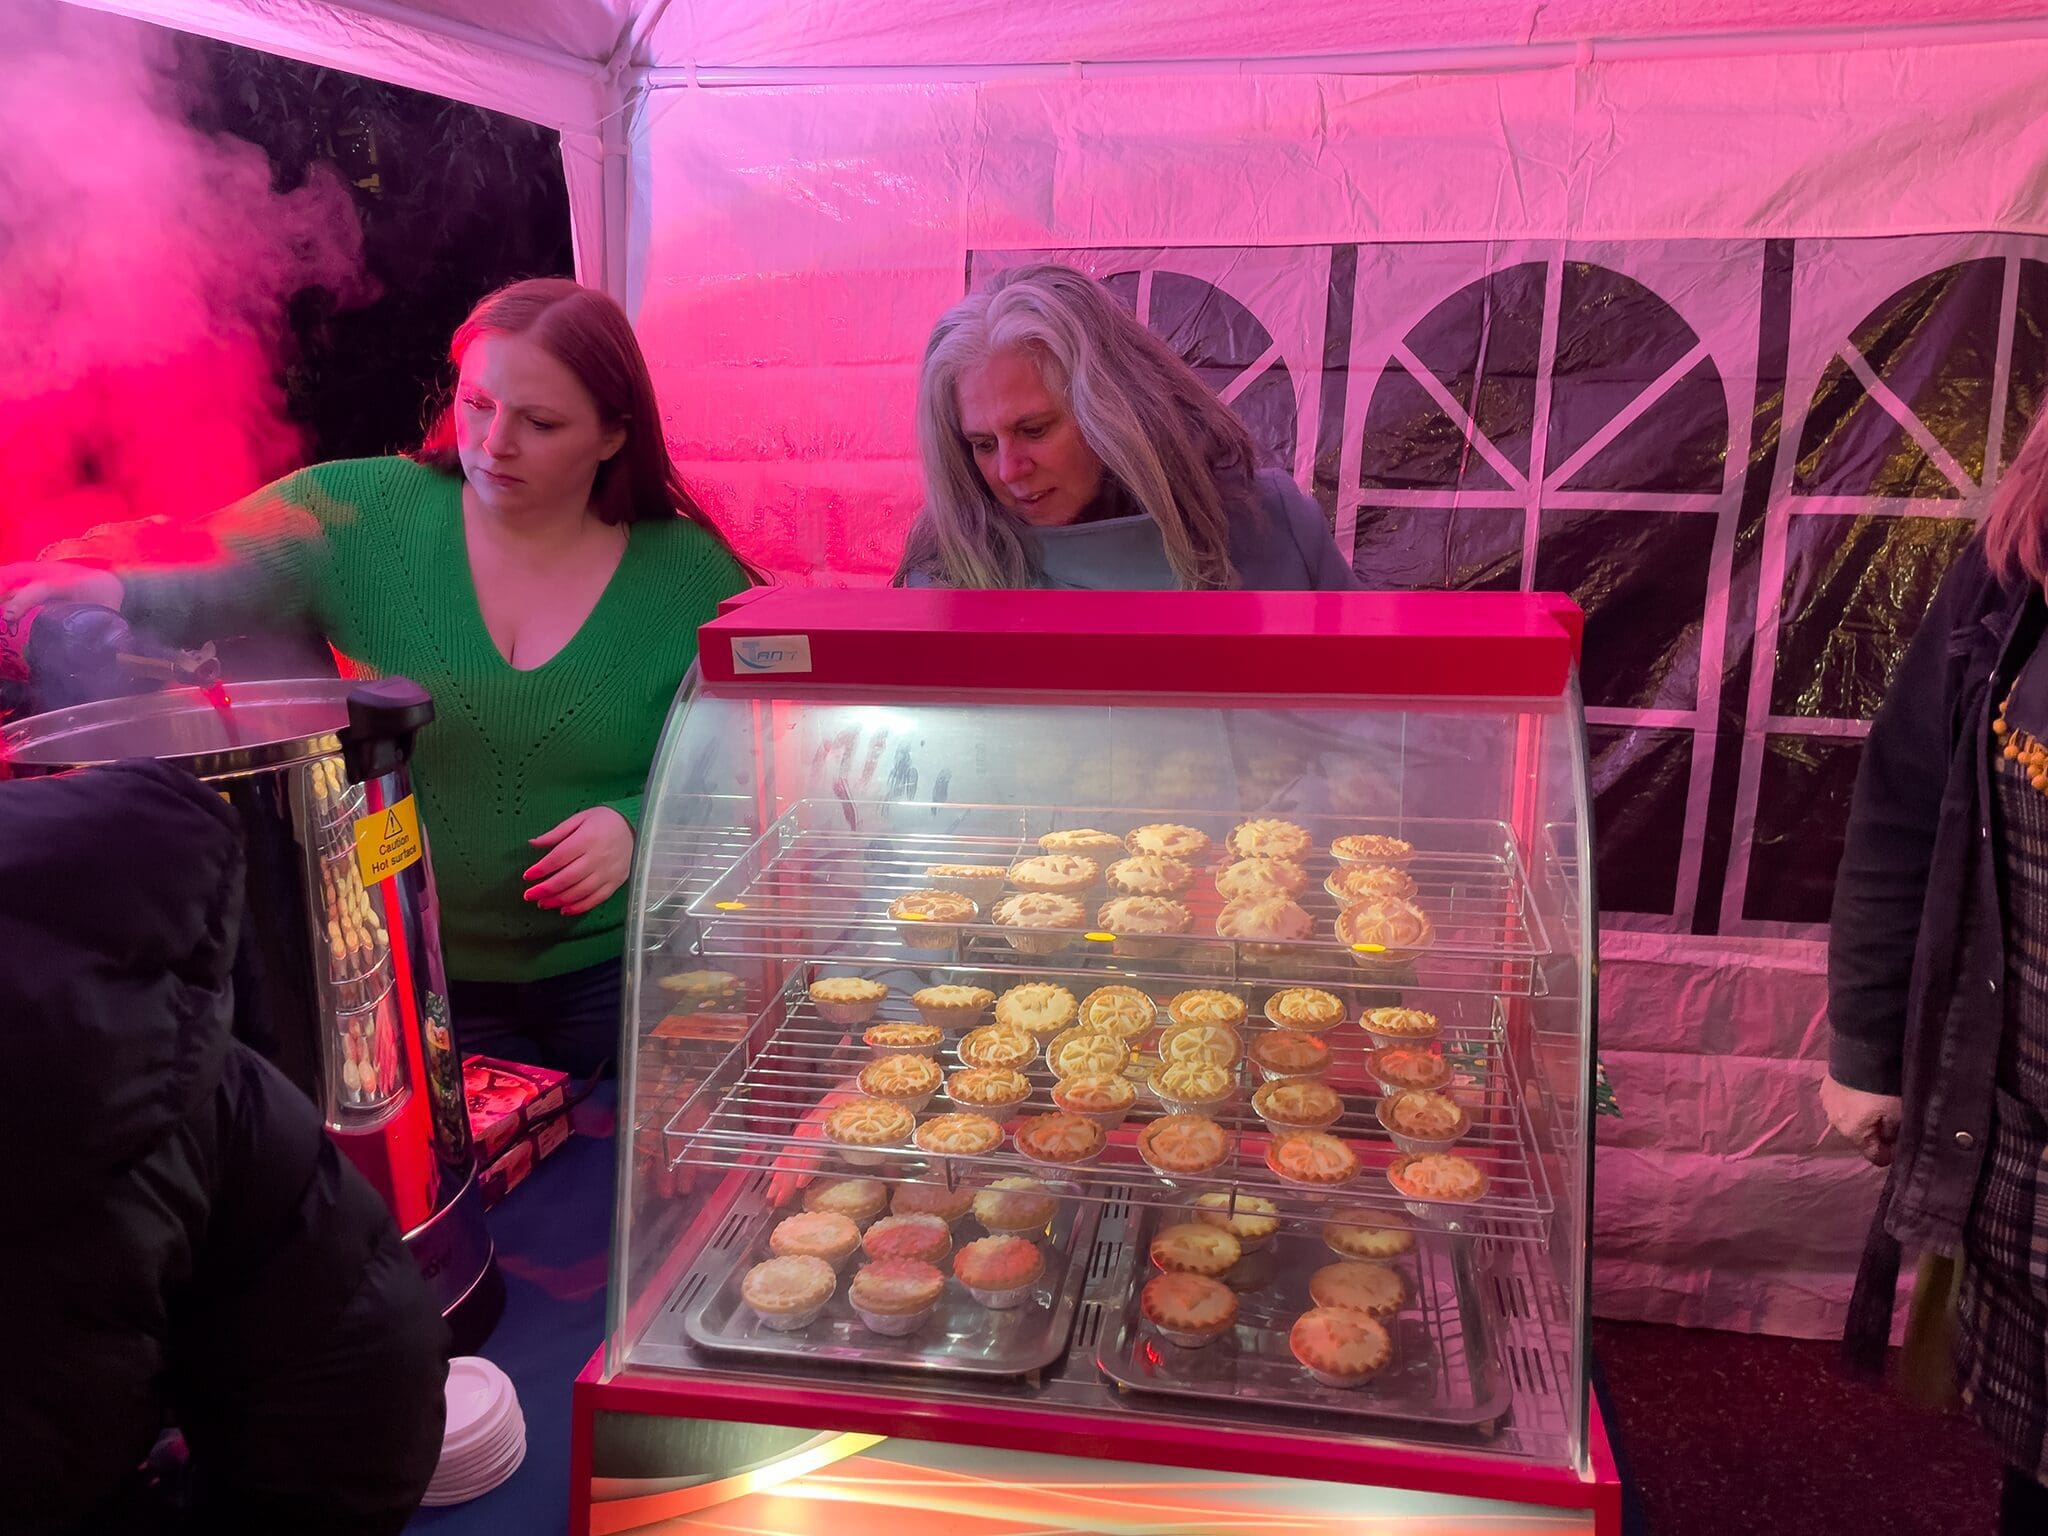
x=554 y=1246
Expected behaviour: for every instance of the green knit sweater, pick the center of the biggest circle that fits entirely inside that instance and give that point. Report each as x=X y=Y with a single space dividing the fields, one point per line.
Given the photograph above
x=372 y=552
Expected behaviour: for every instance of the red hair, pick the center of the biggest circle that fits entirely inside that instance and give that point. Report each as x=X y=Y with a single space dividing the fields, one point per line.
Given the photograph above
x=587 y=333
x=2016 y=526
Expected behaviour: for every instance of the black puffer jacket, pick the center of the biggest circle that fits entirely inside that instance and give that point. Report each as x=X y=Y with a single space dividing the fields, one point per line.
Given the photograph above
x=182 y=1244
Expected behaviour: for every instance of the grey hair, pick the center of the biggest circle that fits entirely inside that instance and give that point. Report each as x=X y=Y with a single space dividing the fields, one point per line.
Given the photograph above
x=1174 y=447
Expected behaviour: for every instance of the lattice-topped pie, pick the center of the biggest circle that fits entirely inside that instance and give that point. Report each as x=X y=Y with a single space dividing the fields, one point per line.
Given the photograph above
x=1059 y=1137
x=1339 y=1347
x=1302 y=1102
x=1082 y=840
x=871 y=1122
x=1150 y=874
x=1217 y=1044
x=1266 y=838
x=1270 y=922
x=951 y=1006
x=1290 y=1053
x=1143 y=923
x=1195 y=1248
x=1373 y=1289
x=979 y=883
x=1438 y=1176
x=1372 y=848
x=1353 y=883
x=1408 y=1066
x=1310 y=1009
x=1188 y=1309
x=909 y=1080
x=1421 y=1116
x=1260 y=877
x=1205 y=1005
x=1085 y=1053
x=845 y=1000
x=1124 y=1011
x=1039 y=1007
x=903 y=1037
x=998 y=1045
x=1061 y=873
x=1251 y=1219
x=1311 y=1157
x=1397 y=927
x=931 y=919
x=1031 y=921
x=1191 y=1084
x=1363 y=1234
x=1169 y=838
x=1399 y=1025
x=959 y=1135
x=1183 y=1144
x=1095 y=1093
x=988 y=1087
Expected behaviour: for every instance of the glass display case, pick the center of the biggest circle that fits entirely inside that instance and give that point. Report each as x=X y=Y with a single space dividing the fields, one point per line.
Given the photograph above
x=1170 y=1017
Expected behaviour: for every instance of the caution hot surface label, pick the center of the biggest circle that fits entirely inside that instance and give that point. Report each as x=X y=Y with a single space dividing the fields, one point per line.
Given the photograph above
x=387 y=841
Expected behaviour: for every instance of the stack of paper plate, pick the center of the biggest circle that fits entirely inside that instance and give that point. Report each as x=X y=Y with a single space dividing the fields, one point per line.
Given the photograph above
x=486 y=1436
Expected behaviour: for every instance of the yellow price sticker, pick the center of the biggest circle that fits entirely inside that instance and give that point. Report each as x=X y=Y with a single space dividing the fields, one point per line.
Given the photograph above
x=1100 y=938
x=388 y=841
x=1370 y=949
x=731 y=906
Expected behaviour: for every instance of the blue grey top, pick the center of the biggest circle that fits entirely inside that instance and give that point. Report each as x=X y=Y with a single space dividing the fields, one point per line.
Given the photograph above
x=1278 y=542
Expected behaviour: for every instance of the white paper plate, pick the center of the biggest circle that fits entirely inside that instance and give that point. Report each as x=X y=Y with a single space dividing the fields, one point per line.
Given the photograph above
x=478 y=1394
x=456 y=1481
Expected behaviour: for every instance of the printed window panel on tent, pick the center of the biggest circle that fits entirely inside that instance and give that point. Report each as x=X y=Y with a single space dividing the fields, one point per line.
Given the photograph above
x=1517 y=416
x=1572 y=418
x=1913 y=368
x=1249 y=320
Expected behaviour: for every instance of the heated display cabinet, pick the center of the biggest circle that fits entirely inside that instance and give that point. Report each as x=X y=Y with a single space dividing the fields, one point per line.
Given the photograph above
x=1306 y=1021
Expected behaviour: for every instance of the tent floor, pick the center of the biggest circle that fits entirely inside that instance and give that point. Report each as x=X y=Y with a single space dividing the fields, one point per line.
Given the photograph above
x=1730 y=1432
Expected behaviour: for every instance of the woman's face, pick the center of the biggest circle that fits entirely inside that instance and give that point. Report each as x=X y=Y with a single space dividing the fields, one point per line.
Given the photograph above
x=526 y=429
x=1025 y=441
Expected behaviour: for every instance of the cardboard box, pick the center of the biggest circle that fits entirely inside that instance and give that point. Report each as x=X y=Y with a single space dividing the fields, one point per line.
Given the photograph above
x=505 y=1098
x=509 y=1171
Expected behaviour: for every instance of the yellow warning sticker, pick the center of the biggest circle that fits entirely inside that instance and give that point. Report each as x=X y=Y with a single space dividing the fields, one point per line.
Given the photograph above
x=387 y=841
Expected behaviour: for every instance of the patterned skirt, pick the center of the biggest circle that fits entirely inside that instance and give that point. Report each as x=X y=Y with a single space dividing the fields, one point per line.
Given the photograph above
x=2002 y=1297
x=2002 y=1294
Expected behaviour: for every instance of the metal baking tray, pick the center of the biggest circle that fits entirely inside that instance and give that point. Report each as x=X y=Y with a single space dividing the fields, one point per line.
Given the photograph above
x=962 y=1338
x=1444 y=1369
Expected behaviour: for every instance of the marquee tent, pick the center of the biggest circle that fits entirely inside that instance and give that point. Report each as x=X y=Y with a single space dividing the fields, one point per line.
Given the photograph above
x=1723 y=316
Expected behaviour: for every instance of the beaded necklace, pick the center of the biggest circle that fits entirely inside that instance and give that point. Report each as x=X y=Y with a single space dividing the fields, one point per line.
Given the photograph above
x=2018 y=747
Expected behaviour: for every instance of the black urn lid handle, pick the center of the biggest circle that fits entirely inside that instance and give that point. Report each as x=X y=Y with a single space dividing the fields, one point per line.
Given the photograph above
x=382 y=717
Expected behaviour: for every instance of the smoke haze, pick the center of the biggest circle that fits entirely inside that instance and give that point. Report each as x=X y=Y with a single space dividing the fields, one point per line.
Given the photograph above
x=145 y=268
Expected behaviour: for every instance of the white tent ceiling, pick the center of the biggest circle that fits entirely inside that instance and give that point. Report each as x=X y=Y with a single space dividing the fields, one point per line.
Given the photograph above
x=583 y=66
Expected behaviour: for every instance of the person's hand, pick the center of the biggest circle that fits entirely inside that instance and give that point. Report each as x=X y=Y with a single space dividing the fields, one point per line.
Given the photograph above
x=35 y=582
x=589 y=856
x=1867 y=1121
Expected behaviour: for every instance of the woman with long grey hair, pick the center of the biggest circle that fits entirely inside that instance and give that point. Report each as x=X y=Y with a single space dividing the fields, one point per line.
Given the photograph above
x=1066 y=446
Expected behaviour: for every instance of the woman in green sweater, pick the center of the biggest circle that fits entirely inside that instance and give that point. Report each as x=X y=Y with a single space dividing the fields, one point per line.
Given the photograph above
x=539 y=567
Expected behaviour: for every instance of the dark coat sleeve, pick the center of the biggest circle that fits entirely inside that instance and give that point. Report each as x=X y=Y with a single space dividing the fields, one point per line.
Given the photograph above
x=1881 y=888
x=307 y=1327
